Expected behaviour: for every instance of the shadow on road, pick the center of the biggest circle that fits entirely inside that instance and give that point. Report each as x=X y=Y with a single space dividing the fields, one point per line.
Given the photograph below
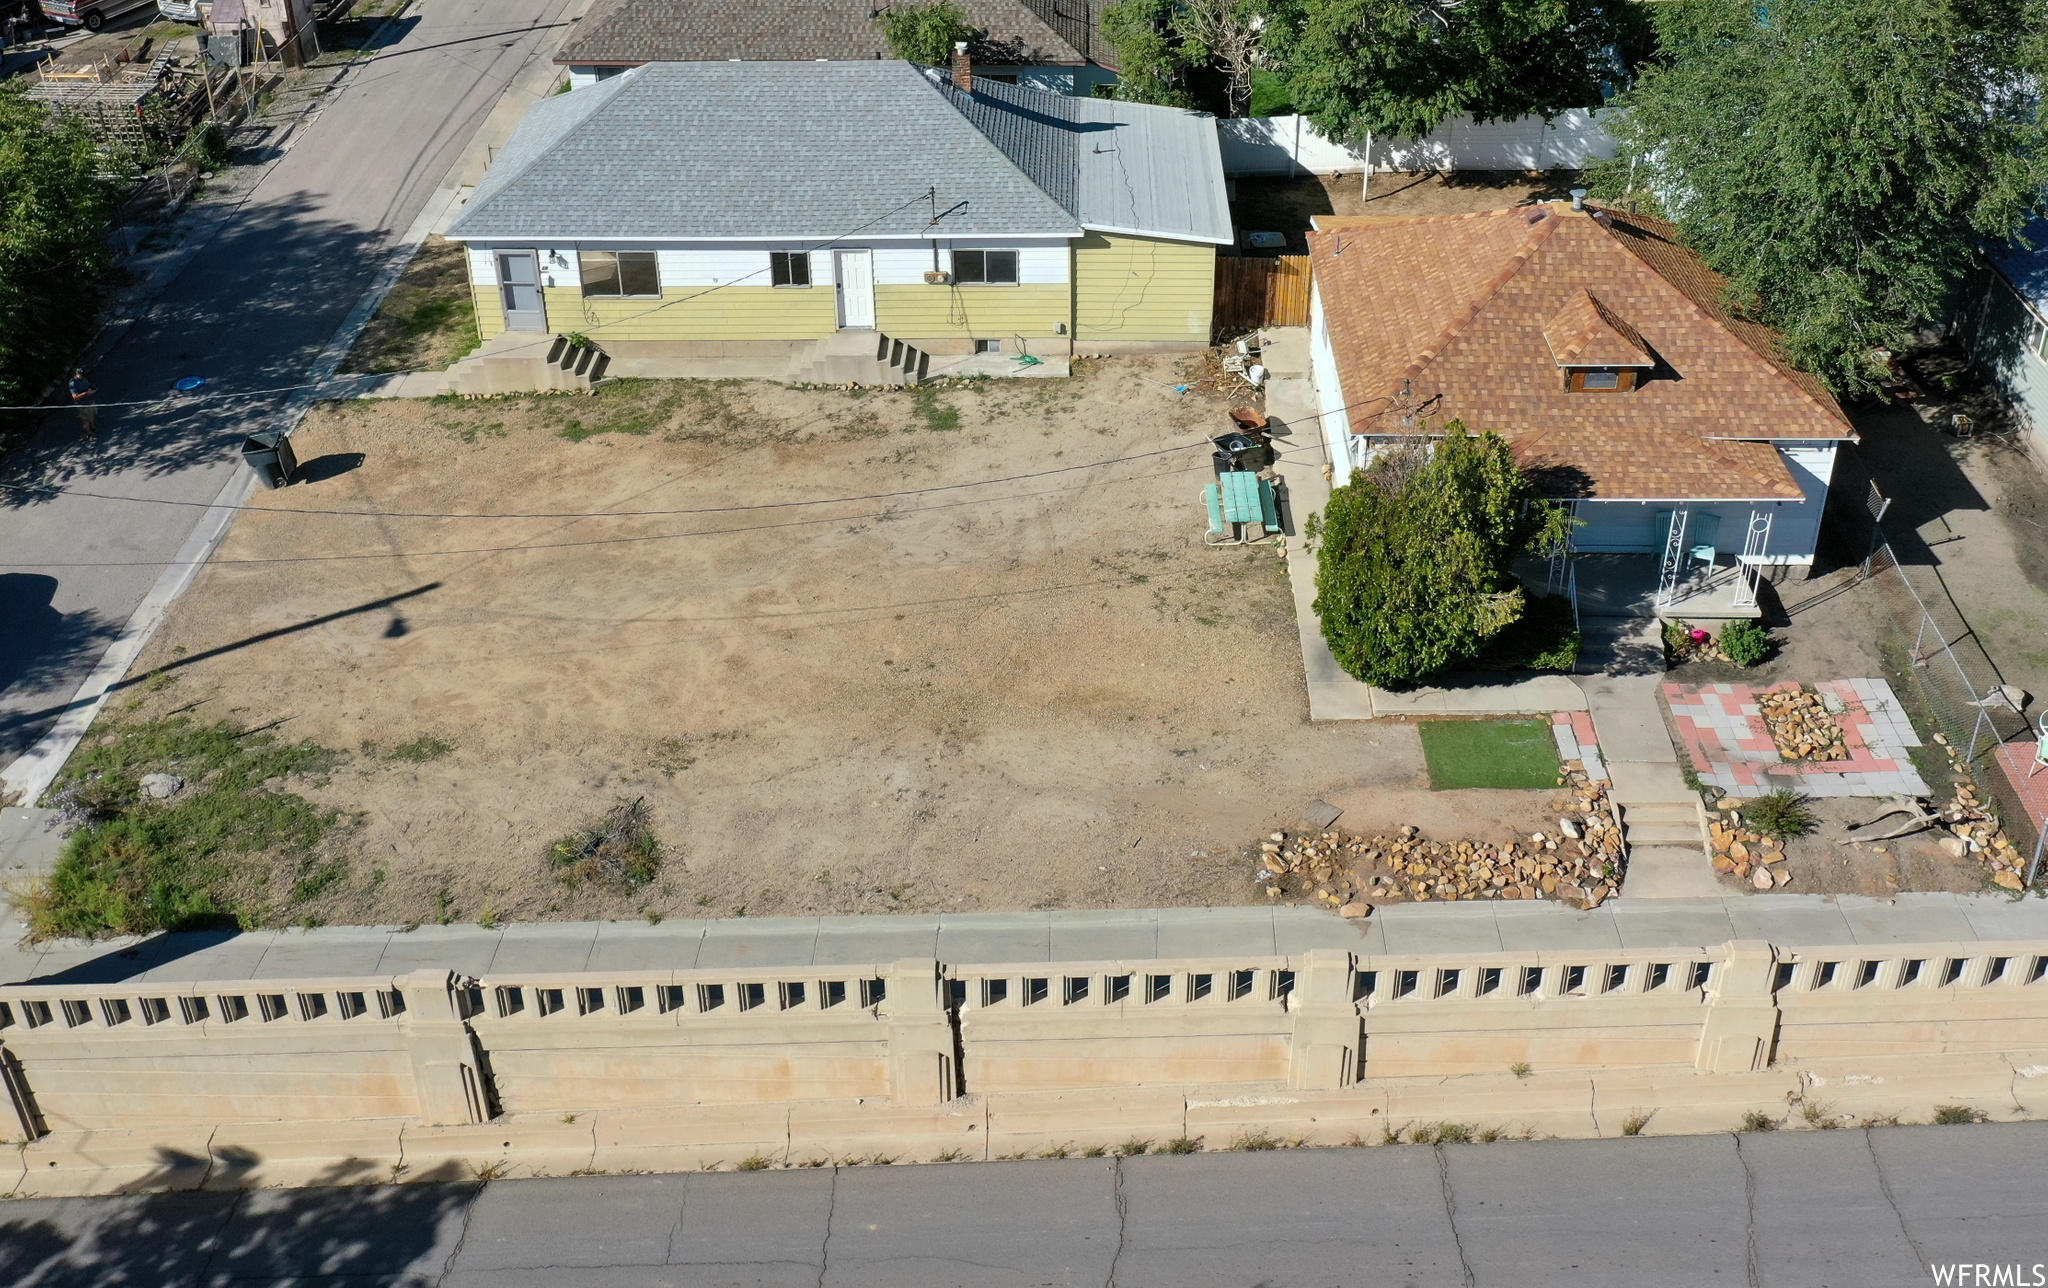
x=358 y=1234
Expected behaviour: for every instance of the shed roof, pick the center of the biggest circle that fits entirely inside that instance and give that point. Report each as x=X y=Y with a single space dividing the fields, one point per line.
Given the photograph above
x=1460 y=317
x=631 y=32
x=723 y=151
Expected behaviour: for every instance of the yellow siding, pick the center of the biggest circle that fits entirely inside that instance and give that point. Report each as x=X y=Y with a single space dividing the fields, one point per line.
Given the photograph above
x=729 y=313
x=490 y=310
x=1142 y=288
x=980 y=312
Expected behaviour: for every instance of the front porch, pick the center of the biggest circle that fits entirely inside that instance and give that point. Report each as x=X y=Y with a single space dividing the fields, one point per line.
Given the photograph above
x=1633 y=586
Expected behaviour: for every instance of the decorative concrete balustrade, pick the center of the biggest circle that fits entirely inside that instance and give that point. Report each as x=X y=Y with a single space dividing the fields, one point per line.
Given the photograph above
x=444 y=1048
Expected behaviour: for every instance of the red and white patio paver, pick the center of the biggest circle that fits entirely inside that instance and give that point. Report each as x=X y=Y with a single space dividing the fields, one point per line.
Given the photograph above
x=1723 y=732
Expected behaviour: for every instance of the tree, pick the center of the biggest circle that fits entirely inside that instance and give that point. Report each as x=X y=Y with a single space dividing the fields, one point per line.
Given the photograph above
x=1838 y=161
x=1415 y=568
x=925 y=33
x=1150 y=59
x=1399 y=67
x=1225 y=34
x=1158 y=42
x=54 y=207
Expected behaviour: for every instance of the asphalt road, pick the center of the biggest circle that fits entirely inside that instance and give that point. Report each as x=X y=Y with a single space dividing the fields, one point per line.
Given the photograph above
x=251 y=310
x=1840 y=1209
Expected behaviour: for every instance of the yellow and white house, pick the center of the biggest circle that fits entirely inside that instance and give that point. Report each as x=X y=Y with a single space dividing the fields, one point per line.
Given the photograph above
x=762 y=218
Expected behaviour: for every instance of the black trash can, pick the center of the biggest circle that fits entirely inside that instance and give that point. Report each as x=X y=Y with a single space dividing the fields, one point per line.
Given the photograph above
x=269 y=454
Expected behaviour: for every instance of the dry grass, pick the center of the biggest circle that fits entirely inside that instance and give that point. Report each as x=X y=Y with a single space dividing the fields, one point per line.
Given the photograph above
x=844 y=670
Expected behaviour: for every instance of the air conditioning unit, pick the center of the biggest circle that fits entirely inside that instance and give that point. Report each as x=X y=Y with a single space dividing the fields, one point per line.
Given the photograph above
x=936 y=278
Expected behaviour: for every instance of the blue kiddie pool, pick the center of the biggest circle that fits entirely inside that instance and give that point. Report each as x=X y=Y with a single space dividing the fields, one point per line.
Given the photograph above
x=186 y=384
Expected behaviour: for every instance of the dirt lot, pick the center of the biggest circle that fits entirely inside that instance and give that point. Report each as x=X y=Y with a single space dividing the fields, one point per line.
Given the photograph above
x=1000 y=673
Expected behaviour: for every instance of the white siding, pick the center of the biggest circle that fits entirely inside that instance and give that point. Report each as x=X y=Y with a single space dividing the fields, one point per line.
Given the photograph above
x=1329 y=392
x=483 y=267
x=902 y=265
x=717 y=267
x=1037 y=265
x=1795 y=529
x=1290 y=145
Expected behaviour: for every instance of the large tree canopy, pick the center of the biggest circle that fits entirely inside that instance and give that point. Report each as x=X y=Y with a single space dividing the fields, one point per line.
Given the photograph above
x=1399 y=67
x=54 y=208
x=1415 y=569
x=925 y=33
x=1839 y=160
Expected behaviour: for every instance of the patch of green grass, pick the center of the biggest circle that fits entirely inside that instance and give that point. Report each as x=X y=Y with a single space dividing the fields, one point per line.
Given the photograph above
x=134 y=865
x=421 y=750
x=937 y=416
x=1270 y=96
x=1489 y=753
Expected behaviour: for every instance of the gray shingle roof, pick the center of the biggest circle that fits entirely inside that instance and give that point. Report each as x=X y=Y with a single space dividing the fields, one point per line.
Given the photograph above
x=631 y=32
x=751 y=150
x=819 y=150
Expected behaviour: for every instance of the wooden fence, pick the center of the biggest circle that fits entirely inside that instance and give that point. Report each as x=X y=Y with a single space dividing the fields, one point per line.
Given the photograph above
x=1257 y=292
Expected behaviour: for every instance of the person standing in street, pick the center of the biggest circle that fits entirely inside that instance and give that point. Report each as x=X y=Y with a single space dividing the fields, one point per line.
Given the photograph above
x=82 y=394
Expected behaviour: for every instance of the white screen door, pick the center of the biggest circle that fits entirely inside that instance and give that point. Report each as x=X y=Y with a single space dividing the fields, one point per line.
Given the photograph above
x=519 y=283
x=856 y=276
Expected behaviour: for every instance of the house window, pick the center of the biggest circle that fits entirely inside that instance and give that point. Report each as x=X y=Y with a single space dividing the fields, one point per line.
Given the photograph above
x=2037 y=337
x=789 y=268
x=985 y=267
x=629 y=273
x=1596 y=380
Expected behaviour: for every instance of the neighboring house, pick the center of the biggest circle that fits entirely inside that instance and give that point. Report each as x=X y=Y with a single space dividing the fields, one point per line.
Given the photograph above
x=719 y=210
x=2008 y=332
x=1598 y=347
x=1039 y=44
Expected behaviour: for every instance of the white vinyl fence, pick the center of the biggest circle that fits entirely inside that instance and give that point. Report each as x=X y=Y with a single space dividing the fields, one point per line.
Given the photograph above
x=1291 y=145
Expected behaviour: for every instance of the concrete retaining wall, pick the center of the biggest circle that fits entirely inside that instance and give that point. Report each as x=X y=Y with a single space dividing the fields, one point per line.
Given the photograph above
x=1072 y=1046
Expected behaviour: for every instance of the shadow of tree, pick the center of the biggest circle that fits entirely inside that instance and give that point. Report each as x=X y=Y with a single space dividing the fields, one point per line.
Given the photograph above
x=39 y=648
x=340 y=1231
x=250 y=312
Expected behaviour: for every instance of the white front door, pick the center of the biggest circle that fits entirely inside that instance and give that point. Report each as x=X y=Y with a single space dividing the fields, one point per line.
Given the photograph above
x=856 y=289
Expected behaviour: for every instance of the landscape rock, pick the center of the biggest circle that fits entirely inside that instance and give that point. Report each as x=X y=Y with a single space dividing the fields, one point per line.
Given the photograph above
x=1355 y=909
x=161 y=786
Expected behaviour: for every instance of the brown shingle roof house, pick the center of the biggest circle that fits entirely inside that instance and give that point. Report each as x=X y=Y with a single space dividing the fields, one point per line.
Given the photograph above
x=1048 y=45
x=1599 y=348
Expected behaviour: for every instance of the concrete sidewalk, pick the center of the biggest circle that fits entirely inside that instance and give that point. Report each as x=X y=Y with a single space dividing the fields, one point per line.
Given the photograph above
x=1024 y=937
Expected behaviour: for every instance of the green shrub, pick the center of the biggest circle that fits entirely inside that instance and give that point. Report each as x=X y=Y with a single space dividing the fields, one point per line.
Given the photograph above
x=1783 y=812
x=1544 y=638
x=619 y=850
x=1182 y=1145
x=1413 y=571
x=1957 y=1115
x=1757 y=1120
x=1745 y=642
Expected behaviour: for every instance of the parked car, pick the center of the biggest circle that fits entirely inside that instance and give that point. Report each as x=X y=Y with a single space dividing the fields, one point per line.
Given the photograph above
x=90 y=14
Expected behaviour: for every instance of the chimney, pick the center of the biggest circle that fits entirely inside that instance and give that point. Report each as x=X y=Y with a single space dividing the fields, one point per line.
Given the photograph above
x=1578 y=198
x=963 y=70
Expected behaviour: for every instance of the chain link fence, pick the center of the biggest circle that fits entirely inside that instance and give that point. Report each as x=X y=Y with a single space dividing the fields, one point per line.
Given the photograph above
x=1957 y=687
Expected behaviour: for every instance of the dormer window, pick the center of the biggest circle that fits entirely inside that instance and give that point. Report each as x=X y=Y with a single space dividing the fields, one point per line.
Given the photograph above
x=1595 y=351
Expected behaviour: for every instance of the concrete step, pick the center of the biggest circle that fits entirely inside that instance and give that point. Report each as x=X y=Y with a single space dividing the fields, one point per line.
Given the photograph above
x=1662 y=834
x=1661 y=811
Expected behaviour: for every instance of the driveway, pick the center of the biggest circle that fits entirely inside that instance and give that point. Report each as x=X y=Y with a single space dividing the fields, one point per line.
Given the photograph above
x=251 y=310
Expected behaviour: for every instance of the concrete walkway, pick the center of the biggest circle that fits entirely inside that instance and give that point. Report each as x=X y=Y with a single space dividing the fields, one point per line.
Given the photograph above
x=1305 y=463
x=1023 y=937
x=1661 y=816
